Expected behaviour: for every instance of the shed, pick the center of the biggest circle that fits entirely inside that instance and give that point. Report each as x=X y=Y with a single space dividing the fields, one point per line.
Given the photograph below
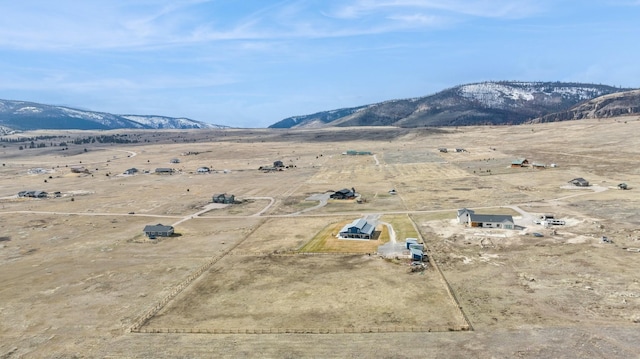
x=410 y=241
x=416 y=254
x=131 y=171
x=419 y=246
x=278 y=164
x=158 y=230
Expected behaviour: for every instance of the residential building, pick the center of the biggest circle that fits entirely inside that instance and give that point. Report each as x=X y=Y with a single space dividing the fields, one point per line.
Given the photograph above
x=580 y=182
x=223 y=198
x=358 y=229
x=470 y=218
x=344 y=193
x=158 y=230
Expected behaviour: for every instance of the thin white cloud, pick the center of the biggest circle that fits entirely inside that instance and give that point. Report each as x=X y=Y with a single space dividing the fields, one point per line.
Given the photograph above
x=478 y=8
x=145 y=25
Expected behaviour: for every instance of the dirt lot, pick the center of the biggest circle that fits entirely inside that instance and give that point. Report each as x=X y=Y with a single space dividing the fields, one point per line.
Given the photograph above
x=75 y=277
x=303 y=293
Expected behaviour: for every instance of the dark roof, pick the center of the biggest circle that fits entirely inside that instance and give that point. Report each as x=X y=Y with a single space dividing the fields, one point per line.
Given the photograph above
x=157 y=228
x=496 y=218
x=362 y=225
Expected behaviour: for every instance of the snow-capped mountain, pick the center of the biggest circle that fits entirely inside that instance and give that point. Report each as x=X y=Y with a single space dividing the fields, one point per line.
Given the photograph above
x=471 y=104
x=159 y=122
x=22 y=115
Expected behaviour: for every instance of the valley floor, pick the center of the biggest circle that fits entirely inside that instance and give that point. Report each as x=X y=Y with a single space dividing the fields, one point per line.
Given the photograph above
x=78 y=278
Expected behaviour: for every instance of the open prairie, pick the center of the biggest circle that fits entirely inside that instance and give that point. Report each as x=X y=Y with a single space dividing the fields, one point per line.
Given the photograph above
x=266 y=277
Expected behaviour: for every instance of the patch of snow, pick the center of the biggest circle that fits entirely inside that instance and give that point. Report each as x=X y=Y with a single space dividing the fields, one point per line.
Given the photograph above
x=28 y=109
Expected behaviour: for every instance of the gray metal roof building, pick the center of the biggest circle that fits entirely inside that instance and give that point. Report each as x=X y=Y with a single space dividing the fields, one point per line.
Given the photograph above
x=358 y=229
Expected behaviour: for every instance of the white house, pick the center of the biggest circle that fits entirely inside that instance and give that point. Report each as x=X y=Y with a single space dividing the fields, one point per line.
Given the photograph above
x=470 y=218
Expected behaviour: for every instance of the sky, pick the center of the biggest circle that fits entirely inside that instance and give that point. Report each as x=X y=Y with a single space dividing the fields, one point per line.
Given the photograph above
x=252 y=63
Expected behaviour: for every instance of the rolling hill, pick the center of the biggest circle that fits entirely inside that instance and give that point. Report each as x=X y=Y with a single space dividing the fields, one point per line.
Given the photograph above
x=486 y=103
x=612 y=105
x=23 y=115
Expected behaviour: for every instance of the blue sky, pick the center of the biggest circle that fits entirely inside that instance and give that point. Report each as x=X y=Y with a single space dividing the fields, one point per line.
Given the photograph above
x=251 y=63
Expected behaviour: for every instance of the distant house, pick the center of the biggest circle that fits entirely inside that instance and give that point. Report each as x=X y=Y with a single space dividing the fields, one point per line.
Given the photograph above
x=278 y=164
x=33 y=194
x=623 y=186
x=131 y=171
x=158 y=230
x=163 y=170
x=174 y=160
x=79 y=169
x=580 y=182
x=203 y=170
x=357 y=153
x=358 y=229
x=470 y=218
x=344 y=193
x=522 y=162
x=223 y=198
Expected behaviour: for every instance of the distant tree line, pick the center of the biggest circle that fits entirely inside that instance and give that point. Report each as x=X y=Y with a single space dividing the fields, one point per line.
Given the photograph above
x=33 y=142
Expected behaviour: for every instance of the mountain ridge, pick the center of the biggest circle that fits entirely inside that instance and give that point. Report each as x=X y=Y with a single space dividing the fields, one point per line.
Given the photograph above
x=26 y=115
x=482 y=103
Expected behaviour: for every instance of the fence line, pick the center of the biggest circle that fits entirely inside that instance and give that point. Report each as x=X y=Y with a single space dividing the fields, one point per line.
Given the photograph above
x=140 y=321
x=448 y=287
x=320 y=331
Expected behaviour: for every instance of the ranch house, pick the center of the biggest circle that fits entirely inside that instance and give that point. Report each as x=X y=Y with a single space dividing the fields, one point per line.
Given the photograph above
x=158 y=230
x=223 y=198
x=580 y=182
x=163 y=170
x=470 y=218
x=523 y=162
x=344 y=193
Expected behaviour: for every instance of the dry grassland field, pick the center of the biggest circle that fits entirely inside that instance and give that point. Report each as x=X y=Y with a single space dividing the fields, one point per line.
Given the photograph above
x=267 y=276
